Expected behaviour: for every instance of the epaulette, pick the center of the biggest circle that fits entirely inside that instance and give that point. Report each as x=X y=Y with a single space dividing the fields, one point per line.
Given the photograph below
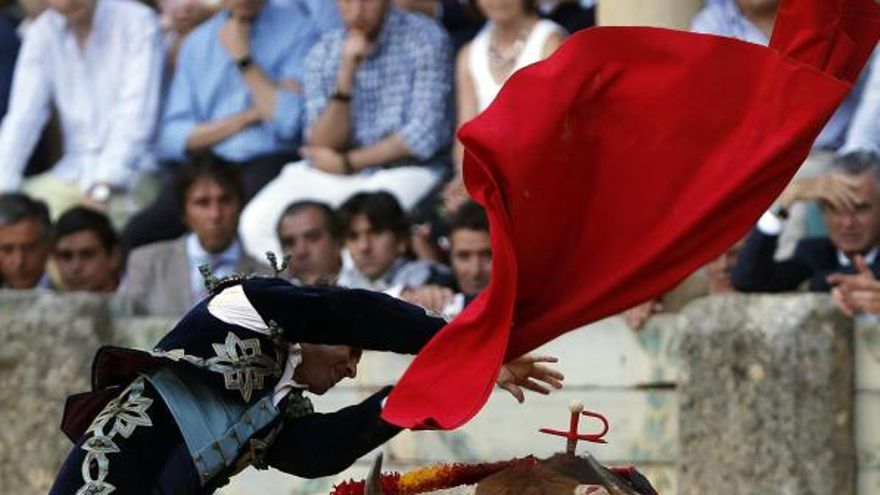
x=215 y=285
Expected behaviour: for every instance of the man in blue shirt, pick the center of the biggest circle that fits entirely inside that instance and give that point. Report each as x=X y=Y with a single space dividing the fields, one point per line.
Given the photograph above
x=325 y=16
x=752 y=21
x=237 y=92
x=378 y=116
x=864 y=131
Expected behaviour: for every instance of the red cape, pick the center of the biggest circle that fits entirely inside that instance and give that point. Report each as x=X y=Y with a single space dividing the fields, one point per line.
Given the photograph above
x=620 y=165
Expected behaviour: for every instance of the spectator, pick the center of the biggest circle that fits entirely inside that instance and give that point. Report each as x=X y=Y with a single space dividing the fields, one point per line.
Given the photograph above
x=8 y=51
x=514 y=37
x=179 y=18
x=859 y=293
x=28 y=11
x=25 y=236
x=310 y=232
x=324 y=15
x=164 y=278
x=752 y=21
x=864 y=131
x=236 y=92
x=470 y=249
x=850 y=202
x=378 y=116
x=747 y=20
x=459 y=20
x=17 y=17
x=720 y=270
x=86 y=251
x=99 y=64
x=470 y=253
x=714 y=280
x=570 y=14
x=376 y=236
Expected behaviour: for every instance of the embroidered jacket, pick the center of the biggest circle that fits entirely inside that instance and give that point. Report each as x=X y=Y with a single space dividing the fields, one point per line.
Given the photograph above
x=246 y=365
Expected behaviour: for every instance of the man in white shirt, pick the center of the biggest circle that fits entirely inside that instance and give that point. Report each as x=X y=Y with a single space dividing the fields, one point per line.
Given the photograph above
x=99 y=63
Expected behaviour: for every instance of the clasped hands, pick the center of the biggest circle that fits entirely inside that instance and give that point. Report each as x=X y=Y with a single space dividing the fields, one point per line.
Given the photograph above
x=859 y=293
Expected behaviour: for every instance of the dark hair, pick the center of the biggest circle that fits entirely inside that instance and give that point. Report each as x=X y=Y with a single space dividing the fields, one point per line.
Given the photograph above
x=80 y=218
x=470 y=216
x=856 y=163
x=529 y=6
x=331 y=221
x=207 y=166
x=381 y=209
x=16 y=207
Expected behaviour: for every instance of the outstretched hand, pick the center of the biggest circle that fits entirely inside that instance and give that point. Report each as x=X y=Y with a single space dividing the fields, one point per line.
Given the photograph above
x=529 y=372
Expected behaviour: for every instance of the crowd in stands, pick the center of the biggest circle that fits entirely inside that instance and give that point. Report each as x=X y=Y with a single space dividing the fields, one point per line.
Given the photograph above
x=143 y=140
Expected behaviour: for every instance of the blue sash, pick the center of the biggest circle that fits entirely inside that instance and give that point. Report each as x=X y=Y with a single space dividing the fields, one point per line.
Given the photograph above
x=214 y=427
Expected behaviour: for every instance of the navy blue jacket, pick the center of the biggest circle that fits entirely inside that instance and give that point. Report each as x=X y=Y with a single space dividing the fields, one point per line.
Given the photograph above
x=813 y=260
x=312 y=445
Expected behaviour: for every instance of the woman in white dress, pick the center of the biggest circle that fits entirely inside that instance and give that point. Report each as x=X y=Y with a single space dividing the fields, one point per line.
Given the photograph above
x=513 y=37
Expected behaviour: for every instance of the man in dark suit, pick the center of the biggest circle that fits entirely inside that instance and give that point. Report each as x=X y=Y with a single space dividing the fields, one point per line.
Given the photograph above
x=163 y=278
x=849 y=196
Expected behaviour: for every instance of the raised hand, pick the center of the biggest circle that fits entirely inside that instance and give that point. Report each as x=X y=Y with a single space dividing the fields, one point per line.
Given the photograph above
x=837 y=190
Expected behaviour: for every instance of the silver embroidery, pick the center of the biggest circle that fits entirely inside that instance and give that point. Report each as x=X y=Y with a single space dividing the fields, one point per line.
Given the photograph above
x=123 y=415
x=242 y=363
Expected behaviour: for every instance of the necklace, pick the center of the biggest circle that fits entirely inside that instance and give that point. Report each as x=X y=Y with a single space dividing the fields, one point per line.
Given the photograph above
x=501 y=62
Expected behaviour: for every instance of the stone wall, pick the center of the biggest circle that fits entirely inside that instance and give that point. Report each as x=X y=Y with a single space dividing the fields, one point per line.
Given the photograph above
x=766 y=397
x=763 y=386
x=45 y=346
x=867 y=406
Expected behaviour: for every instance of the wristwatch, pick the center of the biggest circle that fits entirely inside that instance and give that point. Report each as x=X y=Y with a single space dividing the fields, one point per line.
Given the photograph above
x=100 y=193
x=244 y=62
x=781 y=212
x=338 y=95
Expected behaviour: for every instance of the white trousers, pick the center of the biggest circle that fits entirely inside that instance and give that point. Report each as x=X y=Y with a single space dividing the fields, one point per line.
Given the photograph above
x=298 y=182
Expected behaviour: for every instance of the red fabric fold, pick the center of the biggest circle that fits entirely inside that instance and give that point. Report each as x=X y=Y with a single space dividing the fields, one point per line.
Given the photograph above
x=618 y=166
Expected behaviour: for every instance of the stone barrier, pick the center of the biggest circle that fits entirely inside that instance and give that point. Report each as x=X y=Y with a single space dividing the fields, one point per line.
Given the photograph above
x=766 y=397
x=732 y=395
